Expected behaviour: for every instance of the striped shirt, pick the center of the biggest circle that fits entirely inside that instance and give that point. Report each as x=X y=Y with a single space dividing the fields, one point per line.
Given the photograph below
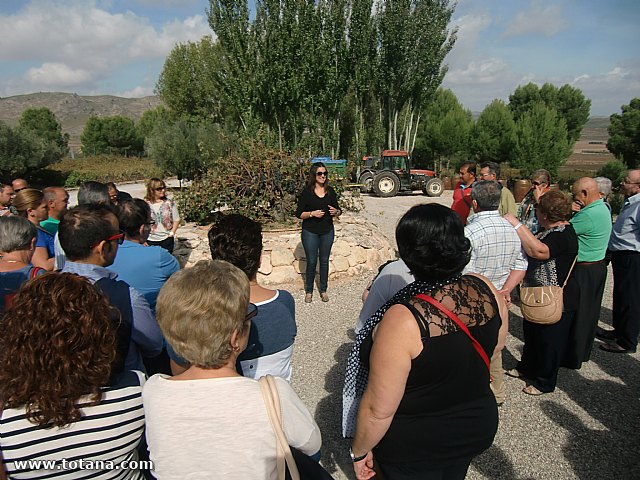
x=95 y=447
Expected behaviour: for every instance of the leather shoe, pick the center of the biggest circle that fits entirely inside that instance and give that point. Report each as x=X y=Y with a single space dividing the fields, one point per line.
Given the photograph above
x=603 y=334
x=324 y=297
x=614 y=347
x=308 y=298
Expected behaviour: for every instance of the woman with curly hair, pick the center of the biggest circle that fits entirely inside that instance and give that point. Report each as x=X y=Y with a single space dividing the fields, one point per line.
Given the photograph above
x=56 y=350
x=164 y=214
x=419 y=367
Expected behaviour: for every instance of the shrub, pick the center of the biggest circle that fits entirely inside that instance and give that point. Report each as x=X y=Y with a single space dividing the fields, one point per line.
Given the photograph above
x=262 y=184
x=615 y=171
x=104 y=168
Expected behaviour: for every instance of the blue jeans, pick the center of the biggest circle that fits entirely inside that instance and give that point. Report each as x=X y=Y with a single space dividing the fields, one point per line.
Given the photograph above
x=317 y=245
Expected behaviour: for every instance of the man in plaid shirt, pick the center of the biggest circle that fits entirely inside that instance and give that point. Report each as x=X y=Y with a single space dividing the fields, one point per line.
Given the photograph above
x=497 y=254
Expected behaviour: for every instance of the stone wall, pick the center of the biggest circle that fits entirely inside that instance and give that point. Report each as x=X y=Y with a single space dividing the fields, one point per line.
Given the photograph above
x=358 y=248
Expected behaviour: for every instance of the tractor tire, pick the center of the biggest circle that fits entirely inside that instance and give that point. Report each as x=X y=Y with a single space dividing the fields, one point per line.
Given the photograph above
x=386 y=184
x=433 y=188
x=366 y=180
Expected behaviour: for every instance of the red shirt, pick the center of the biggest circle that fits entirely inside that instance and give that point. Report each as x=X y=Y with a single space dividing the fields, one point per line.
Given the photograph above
x=462 y=201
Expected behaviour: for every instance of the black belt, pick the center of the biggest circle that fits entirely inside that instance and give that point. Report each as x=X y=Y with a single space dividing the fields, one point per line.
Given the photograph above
x=590 y=263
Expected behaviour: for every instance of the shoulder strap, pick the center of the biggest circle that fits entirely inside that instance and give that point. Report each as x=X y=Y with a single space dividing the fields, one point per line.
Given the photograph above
x=460 y=324
x=272 y=403
x=34 y=272
x=569 y=274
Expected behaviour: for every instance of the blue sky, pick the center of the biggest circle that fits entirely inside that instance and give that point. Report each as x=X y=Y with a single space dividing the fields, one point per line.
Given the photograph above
x=118 y=47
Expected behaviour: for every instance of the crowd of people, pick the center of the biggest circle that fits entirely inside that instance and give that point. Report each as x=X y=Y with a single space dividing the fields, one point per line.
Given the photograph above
x=112 y=354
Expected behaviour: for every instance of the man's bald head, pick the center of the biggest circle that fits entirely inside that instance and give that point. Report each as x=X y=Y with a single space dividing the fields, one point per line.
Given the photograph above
x=585 y=191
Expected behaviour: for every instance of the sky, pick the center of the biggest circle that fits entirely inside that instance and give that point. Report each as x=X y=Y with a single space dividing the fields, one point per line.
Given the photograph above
x=115 y=47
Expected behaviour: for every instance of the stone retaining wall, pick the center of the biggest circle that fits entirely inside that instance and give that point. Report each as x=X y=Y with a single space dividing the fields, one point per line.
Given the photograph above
x=358 y=248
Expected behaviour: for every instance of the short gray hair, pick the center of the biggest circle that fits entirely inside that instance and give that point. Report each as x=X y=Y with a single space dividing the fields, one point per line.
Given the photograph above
x=487 y=194
x=16 y=233
x=604 y=185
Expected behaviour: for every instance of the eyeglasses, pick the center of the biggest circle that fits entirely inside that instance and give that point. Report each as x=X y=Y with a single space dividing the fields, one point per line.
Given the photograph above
x=118 y=236
x=321 y=174
x=626 y=181
x=160 y=188
x=482 y=175
x=252 y=311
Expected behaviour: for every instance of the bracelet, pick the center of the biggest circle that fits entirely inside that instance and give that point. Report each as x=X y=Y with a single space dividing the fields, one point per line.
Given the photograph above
x=355 y=459
x=517 y=226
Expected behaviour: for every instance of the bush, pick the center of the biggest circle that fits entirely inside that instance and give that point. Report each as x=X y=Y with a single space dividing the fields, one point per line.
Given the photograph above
x=261 y=184
x=615 y=171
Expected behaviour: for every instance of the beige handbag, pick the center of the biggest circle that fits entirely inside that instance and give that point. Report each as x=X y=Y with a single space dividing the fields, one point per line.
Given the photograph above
x=272 y=402
x=543 y=305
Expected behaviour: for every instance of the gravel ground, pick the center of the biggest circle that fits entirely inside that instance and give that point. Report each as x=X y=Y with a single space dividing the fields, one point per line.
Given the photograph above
x=589 y=428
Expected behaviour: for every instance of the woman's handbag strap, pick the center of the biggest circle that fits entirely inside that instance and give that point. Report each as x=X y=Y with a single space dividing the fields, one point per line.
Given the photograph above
x=569 y=274
x=460 y=324
x=272 y=402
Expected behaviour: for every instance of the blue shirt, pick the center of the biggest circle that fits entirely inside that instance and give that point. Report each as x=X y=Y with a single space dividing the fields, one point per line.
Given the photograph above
x=626 y=231
x=146 y=337
x=144 y=268
x=45 y=240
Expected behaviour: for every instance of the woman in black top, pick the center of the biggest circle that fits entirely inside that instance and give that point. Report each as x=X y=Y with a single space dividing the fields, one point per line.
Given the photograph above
x=551 y=256
x=317 y=206
x=427 y=409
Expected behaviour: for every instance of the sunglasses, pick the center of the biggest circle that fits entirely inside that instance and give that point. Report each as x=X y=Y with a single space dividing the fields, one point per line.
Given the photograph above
x=252 y=311
x=160 y=188
x=537 y=184
x=118 y=236
x=321 y=174
x=16 y=190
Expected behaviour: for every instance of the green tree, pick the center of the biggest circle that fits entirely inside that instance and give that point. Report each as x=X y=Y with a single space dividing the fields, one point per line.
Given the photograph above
x=22 y=150
x=444 y=132
x=569 y=103
x=175 y=147
x=624 y=134
x=493 y=136
x=43 y=123
x=116 y=134
x=541 y=141
x=413 y=40
x=149 y=120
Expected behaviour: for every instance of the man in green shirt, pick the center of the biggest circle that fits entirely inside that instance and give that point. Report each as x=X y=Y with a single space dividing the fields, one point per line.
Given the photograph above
x=57 y=200
x=592 y=224
x=491 y=171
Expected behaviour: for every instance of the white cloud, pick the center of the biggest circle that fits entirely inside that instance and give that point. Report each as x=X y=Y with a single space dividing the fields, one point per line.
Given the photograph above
x=81 y=38
x=57 y=75
x=469 y=29
x=137 y=92
x=538 y=19
x=483 y=72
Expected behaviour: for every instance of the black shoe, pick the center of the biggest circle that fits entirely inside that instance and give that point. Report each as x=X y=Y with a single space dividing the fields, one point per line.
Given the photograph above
x=603 y=334
x=616 y=348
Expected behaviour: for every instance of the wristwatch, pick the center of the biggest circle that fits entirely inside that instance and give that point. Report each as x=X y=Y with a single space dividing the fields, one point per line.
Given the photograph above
x=355 y=459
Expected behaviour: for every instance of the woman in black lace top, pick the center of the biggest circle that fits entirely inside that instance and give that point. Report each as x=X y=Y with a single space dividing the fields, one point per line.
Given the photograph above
x=427 y=409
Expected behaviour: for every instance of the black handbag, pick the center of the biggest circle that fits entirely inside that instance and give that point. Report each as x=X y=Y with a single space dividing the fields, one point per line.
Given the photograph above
x=292 y=463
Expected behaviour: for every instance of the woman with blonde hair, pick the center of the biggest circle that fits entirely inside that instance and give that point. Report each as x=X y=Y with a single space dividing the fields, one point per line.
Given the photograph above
x=31 y=204
x=61 y=403
x=164 y=213
x=209 y=421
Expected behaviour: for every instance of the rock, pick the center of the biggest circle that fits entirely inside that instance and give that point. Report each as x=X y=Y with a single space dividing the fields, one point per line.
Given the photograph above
x=359 y=254
x=283 y=274
x=281 y=256
x=265 y=264
x=340 y=248
x=341 y=264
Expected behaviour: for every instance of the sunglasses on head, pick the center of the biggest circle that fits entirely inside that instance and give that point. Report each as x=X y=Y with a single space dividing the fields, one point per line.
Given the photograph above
x=321 y=174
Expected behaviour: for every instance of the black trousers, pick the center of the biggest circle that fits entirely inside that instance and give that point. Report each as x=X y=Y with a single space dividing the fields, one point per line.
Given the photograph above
x=590 y=279
x=168 y=244
x=544 y=349
x=626 y=298
x=456 y=470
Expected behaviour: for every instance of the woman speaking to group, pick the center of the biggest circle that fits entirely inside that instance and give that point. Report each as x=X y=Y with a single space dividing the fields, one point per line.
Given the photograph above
x=317 y=206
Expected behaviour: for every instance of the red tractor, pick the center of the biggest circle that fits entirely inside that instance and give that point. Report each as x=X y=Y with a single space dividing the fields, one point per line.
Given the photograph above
x=392 y=173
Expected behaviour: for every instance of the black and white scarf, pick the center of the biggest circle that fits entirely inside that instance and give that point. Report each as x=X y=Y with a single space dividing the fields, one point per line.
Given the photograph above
x=357 y=373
